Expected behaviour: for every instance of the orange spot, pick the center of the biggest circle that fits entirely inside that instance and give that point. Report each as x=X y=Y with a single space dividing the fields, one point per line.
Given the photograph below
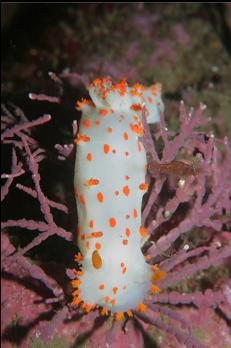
x=143 y=186
x=135 y=213
x=150 y=100
x=96 y=259
x=101 y=286
x=104 y=112
x=98 y=245
x=155 y=267
x=141 y=307
x=89 y=156
x=112 y=222
x=100 y=197
x=143 y=231
x=127 y=177
x=87 y=123
x=125 y=242
x=126 y=153
x=115 y=289
x=82 y=199
x=109 y=130
x=107 y=299
x=128 y=232
x=106 y=148
x=91 y=224
x=91 y=182
x=113 y=302
x=126 y=190
x=88 y=245
x=83 y=237
x=139 y=146
x=124 y=270
x=119 y=315
x=125 y=136
x=97 y=122
x=117 y=193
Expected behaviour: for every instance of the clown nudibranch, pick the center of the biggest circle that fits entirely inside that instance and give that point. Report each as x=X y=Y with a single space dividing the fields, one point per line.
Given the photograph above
x=109 y=184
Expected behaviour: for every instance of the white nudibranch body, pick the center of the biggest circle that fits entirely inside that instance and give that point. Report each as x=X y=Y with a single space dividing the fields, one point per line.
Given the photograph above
x=109 y=185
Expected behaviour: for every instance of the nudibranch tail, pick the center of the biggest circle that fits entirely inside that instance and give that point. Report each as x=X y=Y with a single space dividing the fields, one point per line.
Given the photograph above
x=109 y=185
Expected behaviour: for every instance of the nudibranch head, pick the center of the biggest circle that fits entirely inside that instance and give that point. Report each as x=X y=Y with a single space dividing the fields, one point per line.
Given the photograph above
x=121 y=97
x=109 y=185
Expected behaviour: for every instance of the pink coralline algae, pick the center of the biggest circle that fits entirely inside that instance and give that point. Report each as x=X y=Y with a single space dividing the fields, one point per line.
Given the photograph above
x=186 y=214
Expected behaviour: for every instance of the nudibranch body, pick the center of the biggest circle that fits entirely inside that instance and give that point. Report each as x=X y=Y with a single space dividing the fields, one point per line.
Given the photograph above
x=109 y=185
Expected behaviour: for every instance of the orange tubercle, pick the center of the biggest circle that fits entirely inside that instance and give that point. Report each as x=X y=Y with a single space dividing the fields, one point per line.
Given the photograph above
x=126 y=190
x=75 y=283
x=155 y=289
x=136 y=107
x=96 y=259
x=104 y=311
x=141 y=307
x=104 y=112
x=106 y=148
x=137 y=129
x=87 y=123
x=143 y=231
x=76 y=301
x=112 y=222
x=83 y=102
x=119 y=316
x=89 y=156
x=100 y=197
x=101 y=286
x=78 y=257
x=135 y=213
x=129 y=313
x=143 y=186
x=81 y=138
x=158 y=275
